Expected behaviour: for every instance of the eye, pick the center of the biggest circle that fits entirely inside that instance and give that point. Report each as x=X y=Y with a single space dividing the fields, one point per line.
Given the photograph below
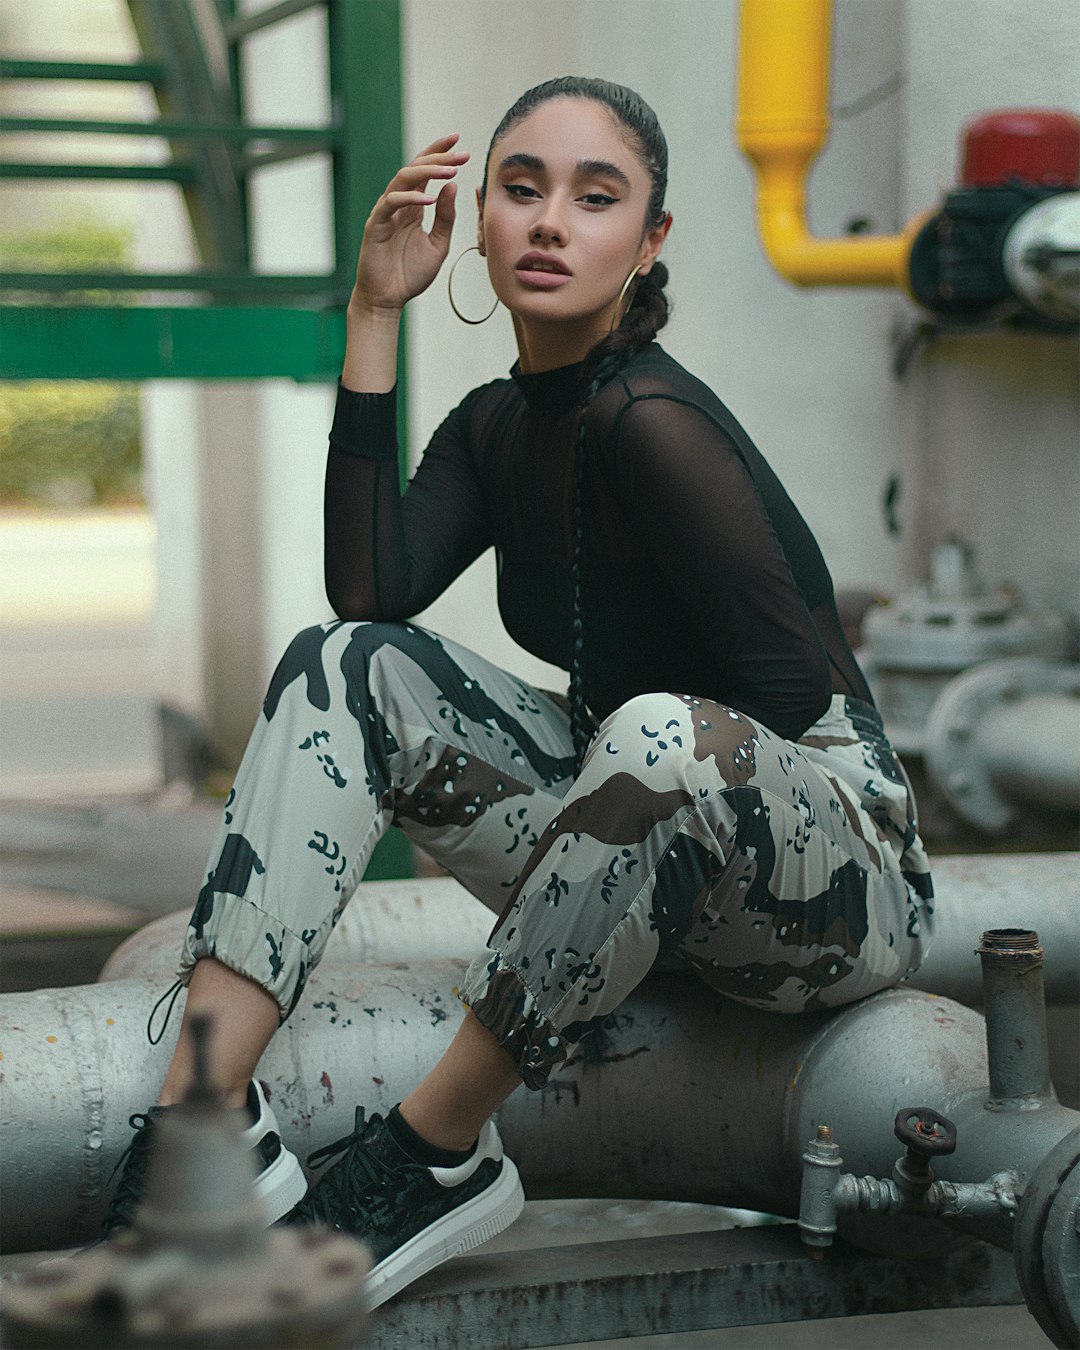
x=598 y=199
x=521 y=190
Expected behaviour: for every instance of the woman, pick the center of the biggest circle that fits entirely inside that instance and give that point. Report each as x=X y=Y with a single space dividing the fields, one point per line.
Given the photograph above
x=754 y=822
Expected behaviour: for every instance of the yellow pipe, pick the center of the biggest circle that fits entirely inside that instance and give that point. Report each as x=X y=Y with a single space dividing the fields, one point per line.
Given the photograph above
x=783 y=123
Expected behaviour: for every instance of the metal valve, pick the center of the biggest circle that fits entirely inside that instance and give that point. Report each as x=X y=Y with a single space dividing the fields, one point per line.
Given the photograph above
x=925 y=1134
x=923 y=1131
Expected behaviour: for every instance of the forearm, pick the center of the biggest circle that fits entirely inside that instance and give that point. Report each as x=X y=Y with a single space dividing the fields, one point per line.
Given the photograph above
x=371 y=342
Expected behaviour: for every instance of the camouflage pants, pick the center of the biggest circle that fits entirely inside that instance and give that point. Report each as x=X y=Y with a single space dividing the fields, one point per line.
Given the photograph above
x=788 y=876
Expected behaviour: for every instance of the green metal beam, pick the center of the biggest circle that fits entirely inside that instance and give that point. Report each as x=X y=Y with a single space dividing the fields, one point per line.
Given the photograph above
x=201 y=131
x=220 y=282
x=136 y=72
x=366 y=93
x=236 y=29
x=106 y=342
x=365 y=85
x=170 y=173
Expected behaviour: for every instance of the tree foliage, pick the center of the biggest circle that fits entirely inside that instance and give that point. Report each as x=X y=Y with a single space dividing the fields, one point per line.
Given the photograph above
x=69 y=442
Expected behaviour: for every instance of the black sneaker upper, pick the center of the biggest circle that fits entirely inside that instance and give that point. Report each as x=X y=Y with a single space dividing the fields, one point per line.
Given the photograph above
x=131 y=1165
x=133 y=1162
x=376 y=1191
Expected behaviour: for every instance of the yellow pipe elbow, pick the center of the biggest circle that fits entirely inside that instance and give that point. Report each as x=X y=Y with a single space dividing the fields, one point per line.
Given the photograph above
x=783 y=124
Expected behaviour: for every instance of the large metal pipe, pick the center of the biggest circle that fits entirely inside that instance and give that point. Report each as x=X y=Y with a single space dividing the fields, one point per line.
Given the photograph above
x=1032 y=751
x=424 y=919
x=682 y=1094
x=437 y=918
x=1003 y=741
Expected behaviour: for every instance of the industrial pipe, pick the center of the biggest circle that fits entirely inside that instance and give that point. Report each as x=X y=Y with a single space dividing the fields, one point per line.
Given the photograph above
x=783 y=123
x=1049 y=775
x=1015 y=1018
x=421 y=919
x=436 y=919
x=1003 y=740
x=681 y=1095
x=1032 y=1211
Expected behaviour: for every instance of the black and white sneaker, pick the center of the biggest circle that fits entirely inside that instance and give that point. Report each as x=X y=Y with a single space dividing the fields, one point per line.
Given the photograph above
x=413 y=1217
x=279 y=1184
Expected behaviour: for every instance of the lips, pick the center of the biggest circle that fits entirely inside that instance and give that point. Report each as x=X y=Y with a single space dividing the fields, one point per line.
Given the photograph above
x=532 y=265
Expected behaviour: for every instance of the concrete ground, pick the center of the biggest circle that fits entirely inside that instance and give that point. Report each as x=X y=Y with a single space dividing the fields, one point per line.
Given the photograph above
x=90 y=849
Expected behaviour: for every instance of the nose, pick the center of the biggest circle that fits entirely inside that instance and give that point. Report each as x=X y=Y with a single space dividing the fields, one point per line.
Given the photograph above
x=550 y=225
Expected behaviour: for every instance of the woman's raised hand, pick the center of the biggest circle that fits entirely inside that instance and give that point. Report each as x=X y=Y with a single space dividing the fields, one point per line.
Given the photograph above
x=398 y=258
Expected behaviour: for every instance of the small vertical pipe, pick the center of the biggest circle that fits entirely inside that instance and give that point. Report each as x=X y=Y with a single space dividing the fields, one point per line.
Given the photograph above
x=1012 y=971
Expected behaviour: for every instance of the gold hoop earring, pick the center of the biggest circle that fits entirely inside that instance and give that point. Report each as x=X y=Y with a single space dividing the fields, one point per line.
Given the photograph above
x=450 y=290
x=626 y=286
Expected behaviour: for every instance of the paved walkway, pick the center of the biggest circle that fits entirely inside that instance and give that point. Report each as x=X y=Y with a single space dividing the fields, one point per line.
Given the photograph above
x=79 y=712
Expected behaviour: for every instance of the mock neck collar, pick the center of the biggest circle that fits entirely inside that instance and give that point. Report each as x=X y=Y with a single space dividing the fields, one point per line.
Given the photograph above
x=553 y=391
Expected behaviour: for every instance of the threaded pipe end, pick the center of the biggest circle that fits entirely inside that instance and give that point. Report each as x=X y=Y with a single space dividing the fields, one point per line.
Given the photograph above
x=1010 y=942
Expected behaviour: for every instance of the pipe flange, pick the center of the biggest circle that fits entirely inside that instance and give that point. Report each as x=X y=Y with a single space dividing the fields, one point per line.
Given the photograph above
x=1041 y=257
x=1046 y=1245
x=953 y=756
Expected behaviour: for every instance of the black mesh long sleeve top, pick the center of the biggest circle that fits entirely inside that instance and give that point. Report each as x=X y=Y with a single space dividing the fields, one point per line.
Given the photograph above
x=699 y=576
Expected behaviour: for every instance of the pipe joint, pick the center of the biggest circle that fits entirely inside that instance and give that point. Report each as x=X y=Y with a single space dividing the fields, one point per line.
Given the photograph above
x=912 y=1190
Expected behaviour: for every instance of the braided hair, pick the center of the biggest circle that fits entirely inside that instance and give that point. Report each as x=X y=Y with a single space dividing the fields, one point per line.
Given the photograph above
x=646 y=314
x=645 y=317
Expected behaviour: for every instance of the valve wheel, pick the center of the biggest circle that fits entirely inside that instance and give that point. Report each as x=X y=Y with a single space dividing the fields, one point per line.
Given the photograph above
x=923 y=1130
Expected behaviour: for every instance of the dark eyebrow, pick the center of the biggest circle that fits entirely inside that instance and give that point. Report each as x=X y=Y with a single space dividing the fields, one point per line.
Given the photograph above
x=586 y=168
x=603 y=168
x=522 y=161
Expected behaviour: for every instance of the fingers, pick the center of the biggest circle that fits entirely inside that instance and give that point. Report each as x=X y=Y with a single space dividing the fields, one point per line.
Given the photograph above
x=442 y=146
x=408 y=187
x=391 y=202
x=443 y=223
x=416 y=175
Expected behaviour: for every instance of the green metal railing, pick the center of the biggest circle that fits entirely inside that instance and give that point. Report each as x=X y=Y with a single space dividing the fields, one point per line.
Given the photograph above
x=241 y=328
x=214 y=155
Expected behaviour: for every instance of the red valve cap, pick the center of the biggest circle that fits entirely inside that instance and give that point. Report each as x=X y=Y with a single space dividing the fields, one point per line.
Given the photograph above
x=1039 y=147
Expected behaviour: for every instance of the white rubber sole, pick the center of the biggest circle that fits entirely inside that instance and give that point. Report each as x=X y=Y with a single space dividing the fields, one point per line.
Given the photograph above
x=475 y=1222
x=281 y=1186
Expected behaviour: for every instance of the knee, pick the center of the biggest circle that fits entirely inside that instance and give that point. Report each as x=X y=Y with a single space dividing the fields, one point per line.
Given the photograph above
x=362 y=638
x=655 y=728
x=674 y=729
x=306 y=657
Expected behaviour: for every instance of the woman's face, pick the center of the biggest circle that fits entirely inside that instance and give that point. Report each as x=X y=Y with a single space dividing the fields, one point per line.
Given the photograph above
x=562 y=223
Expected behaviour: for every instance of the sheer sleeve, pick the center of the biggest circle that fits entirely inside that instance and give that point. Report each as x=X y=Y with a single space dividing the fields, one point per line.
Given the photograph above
x=386 y=555
x=688 y=491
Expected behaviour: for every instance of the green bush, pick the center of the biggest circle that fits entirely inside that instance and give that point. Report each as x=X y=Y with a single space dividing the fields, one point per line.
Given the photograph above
x=69 y=442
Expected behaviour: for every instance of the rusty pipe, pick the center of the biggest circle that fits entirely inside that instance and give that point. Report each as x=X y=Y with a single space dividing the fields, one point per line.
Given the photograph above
x=1017 y=1049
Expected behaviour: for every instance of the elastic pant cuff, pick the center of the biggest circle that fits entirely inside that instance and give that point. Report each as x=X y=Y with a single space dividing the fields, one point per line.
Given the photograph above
x=502 y=1002
x=265 y=951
